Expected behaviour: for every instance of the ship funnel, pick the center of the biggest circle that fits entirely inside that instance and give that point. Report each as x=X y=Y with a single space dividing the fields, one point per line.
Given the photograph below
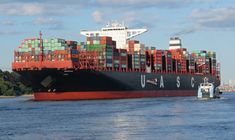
x=175 y=43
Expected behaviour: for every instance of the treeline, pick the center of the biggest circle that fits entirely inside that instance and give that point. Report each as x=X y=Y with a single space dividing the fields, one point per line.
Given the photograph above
x=10 y=85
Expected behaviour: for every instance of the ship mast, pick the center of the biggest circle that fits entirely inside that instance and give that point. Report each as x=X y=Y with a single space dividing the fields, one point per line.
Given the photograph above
x=41 y=47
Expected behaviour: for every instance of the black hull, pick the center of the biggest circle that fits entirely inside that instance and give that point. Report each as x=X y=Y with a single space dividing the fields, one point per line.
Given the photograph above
x=53 y=80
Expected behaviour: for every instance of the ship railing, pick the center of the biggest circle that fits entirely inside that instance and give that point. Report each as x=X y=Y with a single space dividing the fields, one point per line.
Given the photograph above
x=18 y=66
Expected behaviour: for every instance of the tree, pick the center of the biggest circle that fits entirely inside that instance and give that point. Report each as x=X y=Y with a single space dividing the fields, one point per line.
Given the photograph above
x=10 y=85
x=3 y=88
x=10 y=92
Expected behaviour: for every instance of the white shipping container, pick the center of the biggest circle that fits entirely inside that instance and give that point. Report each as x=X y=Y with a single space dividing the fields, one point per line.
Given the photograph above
x=137 y=47
x=45 y=40
x=191 y=67
x=96 y=41
x=127 y=46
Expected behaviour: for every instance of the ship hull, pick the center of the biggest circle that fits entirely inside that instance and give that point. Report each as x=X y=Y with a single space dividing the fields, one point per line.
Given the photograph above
x=53 y=84
x=60 y=96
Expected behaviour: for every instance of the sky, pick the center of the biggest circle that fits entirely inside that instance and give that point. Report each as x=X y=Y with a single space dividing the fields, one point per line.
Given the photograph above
x=201 y=24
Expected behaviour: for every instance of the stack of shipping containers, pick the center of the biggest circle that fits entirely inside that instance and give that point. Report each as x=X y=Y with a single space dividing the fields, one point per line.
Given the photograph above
x=192 y=64
x=123 y=59
x=53 y=50
x=28 y=51
x=168 y=57
x=104 y=47
x=137 y=55
x=180 y=57
x=58 y=50
x=120 y=59
x=202 y=61
x=148 y=58
x=213 y=63
x=116 y=58
x=157 y=60
x=218 y=70
x=81 y=46
x=150 y=52
x=106 y=55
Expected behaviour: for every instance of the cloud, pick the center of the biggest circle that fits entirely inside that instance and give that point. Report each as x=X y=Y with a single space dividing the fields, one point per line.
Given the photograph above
x=28 y=9
x=124 y=10
x=98 y=16
x=137 y=19
x=57 y=2
x=215 y=18
x=150 y=3
x=8 y=22
x=58 y=7
x=139 y=3
x=129 y=17
x=46 y=21
x=43 y=7
x=49 y=23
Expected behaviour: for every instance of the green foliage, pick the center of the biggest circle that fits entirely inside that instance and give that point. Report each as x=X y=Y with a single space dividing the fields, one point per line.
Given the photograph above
x=10 y=85
x=3 y=88
x=10 y=92
x=24 y=89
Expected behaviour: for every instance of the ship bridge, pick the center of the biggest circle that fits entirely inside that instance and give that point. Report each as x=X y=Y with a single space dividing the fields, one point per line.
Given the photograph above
x=119 y=32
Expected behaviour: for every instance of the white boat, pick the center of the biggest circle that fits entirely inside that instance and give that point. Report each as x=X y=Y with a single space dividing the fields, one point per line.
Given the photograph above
x=207 y=91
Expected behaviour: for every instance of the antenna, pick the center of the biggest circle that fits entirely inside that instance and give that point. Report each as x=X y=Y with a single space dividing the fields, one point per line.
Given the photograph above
x=108 y=24
x=40 y=33
x=41 y=47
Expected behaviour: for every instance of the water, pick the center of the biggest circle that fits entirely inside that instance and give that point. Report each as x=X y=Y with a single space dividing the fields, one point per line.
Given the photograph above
x=172 y=118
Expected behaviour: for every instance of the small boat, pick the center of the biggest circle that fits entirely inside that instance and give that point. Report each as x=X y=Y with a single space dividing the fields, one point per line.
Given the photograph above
x=207 y=91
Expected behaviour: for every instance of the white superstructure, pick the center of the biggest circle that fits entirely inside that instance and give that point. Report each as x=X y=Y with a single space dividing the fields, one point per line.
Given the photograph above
x=119 y=32
x=207 y=90
x=175 y=43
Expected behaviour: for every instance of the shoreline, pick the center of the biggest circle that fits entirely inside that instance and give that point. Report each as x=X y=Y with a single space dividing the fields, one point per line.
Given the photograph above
x=3 y=97
x=26 y=95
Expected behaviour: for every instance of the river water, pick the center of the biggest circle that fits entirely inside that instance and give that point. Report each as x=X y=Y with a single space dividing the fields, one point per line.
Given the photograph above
x=172 y=118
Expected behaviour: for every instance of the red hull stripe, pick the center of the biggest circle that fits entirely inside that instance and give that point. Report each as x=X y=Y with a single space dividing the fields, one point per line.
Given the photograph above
x=60 y=96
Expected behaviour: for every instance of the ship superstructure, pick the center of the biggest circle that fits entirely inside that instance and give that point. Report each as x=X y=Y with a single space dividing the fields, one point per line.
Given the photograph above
x=175 y=43
x=119 y=33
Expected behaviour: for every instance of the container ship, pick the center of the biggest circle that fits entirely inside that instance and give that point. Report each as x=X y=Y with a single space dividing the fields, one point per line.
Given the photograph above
x=110 y=64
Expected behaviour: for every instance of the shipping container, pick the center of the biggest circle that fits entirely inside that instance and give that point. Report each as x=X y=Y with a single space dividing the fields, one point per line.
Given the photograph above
x=101 y=53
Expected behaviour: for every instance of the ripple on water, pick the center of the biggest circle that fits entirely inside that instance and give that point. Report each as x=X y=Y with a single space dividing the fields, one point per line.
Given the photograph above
x=158 y=118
